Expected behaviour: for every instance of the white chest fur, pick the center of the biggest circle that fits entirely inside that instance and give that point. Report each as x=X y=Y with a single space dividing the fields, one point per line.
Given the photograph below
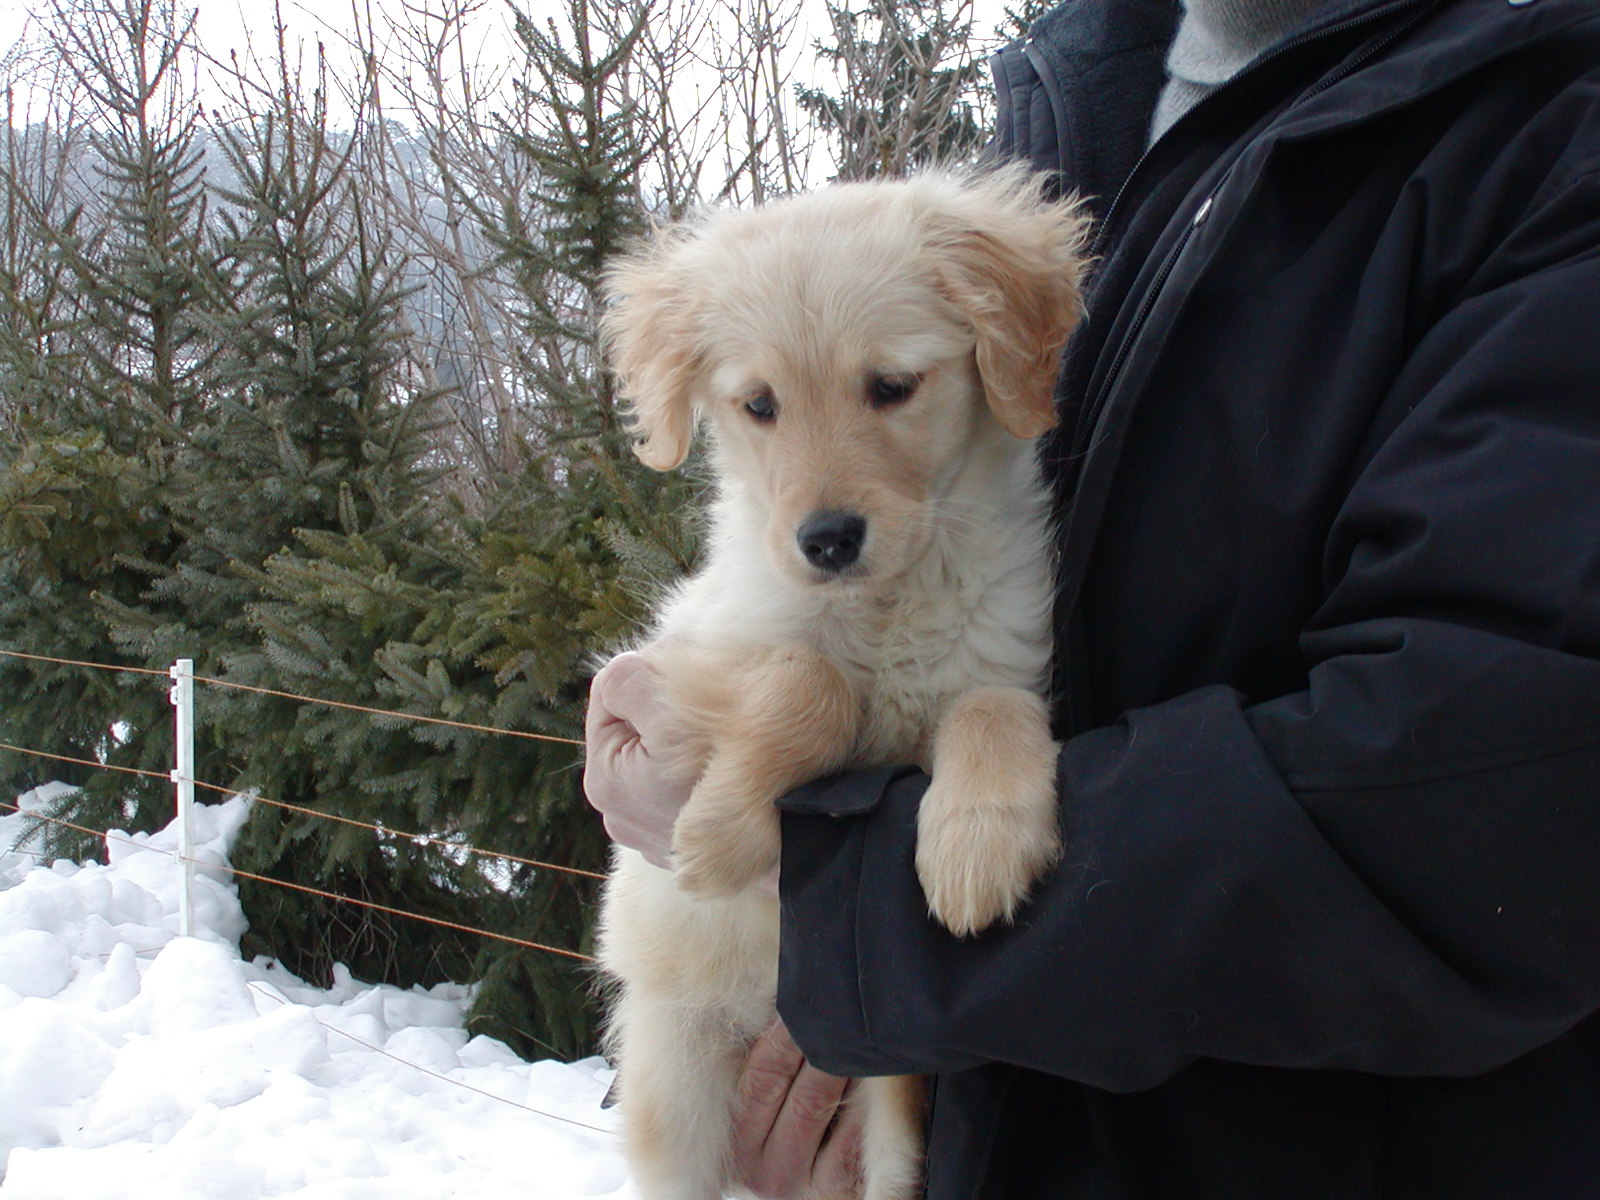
x=973 y=611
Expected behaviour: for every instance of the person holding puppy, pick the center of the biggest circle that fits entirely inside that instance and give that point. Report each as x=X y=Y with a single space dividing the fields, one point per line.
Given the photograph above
x=1327 y=923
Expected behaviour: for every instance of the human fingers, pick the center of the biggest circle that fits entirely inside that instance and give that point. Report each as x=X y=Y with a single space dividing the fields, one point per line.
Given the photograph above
x=623 y=696
x=785 y=1111
x=620 y=784
x=803 y=1126
x=631 y=719
x=608 y=741
x=637 y=794
x=607 y=718
x=629 y=688
x=840 y=1167
x=770 y=1066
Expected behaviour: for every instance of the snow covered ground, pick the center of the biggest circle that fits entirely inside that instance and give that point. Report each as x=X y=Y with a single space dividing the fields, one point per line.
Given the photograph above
x=138 y=1064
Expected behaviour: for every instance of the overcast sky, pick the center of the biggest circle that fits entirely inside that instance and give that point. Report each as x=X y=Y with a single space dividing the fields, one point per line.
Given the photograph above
x=225 y=26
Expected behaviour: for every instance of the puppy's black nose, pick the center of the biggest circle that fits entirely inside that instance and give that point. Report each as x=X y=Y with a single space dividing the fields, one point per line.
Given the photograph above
x=831 y=541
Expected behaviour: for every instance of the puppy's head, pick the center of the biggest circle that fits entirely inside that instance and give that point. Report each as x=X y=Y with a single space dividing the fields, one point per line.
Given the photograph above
x=848 y=350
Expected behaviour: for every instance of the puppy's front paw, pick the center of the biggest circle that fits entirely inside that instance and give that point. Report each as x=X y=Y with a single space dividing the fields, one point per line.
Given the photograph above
x=978 y=853
x=720 y=850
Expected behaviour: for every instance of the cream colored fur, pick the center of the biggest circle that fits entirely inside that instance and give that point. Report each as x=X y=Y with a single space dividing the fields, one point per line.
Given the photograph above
x=932 y=648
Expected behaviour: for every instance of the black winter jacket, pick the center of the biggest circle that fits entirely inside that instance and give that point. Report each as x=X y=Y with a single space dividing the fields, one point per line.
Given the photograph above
x=1328 y=923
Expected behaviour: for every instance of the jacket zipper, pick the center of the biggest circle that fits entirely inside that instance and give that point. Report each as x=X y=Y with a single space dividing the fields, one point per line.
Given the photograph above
x=1091 y=416
x=1371 y=52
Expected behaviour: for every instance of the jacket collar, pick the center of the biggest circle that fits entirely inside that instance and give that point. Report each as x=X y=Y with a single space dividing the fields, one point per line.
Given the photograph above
x=1101 y=64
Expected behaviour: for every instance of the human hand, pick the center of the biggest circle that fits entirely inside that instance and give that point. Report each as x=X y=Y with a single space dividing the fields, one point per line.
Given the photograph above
x=634 y=774
x=794 y=1133
x=631 y=773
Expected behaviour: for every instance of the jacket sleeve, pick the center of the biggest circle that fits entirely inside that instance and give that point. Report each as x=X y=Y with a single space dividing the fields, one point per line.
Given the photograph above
x=1396 y=870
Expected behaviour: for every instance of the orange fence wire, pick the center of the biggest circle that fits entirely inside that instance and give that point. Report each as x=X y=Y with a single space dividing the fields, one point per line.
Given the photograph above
x=381 y=830
x=386 y=712
x=298 y=887
x=386 y=831
x=261 y=691
x=99 y=833
x=87 y=762
x=73 y=662
x=377 y=829
x=400 y=912
x=109 y=836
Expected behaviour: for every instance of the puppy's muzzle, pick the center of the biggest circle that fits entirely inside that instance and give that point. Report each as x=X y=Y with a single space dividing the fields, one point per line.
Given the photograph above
x=831 y=540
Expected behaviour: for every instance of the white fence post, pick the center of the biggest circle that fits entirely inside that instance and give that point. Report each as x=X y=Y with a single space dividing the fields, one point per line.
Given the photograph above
x=182 y=694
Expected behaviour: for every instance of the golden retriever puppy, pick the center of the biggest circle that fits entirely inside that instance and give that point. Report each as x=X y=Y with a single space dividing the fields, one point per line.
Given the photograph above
x=871 y=363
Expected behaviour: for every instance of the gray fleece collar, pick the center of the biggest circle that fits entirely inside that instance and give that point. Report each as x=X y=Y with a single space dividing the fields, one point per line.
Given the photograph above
x=1215 y=41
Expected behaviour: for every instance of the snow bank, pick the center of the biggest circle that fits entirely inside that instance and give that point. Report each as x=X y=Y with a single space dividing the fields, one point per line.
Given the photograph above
x=137 y=1064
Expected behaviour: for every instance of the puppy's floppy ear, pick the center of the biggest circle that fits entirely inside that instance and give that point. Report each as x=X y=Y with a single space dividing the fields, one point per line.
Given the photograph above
x=649 y=331
x=1012 y=262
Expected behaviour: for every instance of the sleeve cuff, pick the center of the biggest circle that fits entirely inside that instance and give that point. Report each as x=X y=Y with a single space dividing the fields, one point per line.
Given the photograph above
x=820 y=890
x=849 y=794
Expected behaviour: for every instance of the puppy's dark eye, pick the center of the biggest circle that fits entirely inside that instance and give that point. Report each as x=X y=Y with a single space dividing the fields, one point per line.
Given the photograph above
x=762 y=407
x=885 y=391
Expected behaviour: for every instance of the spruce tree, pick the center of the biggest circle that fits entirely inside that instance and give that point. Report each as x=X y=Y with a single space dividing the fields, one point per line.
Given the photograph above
x=390 y=592
x=546 y=589
x=910 y=87
x=318 y=535
x=104 y=340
